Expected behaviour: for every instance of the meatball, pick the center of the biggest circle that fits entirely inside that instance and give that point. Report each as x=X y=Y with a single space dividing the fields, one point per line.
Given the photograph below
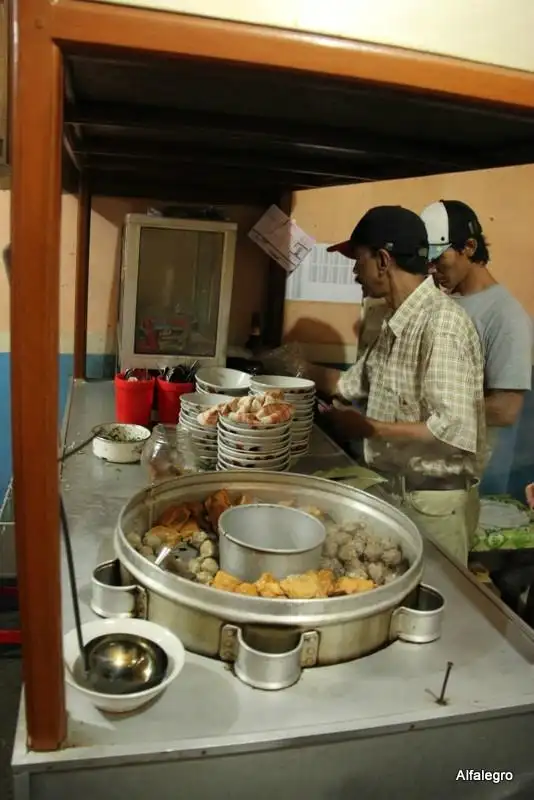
x=198 y=539
x=392 y=556
x=373 y=550
x=341 y=537
x=330 y=547
x=359 y=542
x=208 y=549
x=355 y=569
x=377 y=572
x=333 y=565
x=195 y=565
x=352 y=527
x=210 y=565
x=204 y=577
x=152 y=541
x=348 y=552
x=135 y=540
x=146 y=551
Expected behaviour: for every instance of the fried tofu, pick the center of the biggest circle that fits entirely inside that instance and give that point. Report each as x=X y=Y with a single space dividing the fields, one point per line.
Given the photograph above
x=302 y=587
x=175 y=516
x=225 y=582
x=268 y=586
x=248 y=589
x=353 y=585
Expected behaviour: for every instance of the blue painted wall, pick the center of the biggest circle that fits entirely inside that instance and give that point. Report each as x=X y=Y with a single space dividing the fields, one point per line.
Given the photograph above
x=98 y=366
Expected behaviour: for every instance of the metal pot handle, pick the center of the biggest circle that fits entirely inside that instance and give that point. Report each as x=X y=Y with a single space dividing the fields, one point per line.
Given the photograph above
x=264 y=670
x=421 y=623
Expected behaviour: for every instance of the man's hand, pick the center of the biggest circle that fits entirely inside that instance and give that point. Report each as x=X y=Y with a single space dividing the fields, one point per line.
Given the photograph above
x=350 y=423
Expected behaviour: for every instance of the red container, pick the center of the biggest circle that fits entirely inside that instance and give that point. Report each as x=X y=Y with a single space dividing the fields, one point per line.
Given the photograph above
x=168 y=400
x=133 y=400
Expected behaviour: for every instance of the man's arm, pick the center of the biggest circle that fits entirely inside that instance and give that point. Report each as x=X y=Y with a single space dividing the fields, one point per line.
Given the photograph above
x=503 y=407
x=452 y=390
x=325 y=378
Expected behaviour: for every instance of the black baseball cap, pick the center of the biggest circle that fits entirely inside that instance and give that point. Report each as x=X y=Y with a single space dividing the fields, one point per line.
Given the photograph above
x=449 y=223
x=393 y=228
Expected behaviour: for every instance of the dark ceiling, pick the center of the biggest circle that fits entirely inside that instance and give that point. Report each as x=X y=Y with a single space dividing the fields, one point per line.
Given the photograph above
x=184 y=129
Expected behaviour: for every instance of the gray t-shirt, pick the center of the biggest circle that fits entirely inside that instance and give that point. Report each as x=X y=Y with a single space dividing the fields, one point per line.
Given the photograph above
x=506 y=333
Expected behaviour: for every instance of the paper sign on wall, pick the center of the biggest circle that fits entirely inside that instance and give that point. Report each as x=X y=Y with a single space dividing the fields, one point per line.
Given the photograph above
x=325 y=277
x=282 y=239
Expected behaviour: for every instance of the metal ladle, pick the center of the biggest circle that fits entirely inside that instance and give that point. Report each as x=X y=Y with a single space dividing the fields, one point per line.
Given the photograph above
x=118 y=663
x=114 y=664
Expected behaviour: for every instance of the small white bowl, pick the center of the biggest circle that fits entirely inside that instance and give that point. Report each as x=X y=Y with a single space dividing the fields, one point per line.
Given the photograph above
x=200 y=401
x=123 y=703
x=222 y=377
x=119 y=443
x=229 y=454
x=257 y=428
x=244 y=444
x=293 y=385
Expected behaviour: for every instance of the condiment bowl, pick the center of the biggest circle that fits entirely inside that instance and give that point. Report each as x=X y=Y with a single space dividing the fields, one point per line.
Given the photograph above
x=122 y=704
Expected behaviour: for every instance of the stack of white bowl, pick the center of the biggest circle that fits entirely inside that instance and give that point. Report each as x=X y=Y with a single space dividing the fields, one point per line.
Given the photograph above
x=242 y=446
x=204 y=437
x=220 y=380
x=300 y=392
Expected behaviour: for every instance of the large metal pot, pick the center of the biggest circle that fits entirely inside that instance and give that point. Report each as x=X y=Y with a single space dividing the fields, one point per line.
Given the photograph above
x=211 y=622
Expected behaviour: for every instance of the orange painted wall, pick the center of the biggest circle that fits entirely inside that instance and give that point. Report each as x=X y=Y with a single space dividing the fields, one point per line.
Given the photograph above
x=503 y=199
x=250 y=271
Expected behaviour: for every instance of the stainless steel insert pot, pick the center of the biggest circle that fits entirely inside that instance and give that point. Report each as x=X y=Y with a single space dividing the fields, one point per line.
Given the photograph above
x=208 y=620
x=259 y=538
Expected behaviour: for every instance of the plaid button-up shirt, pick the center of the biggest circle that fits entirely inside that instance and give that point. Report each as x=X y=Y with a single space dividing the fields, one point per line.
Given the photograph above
x=425 y=366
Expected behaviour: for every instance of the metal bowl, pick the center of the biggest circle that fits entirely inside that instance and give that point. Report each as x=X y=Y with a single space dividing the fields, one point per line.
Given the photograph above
x=269 y=538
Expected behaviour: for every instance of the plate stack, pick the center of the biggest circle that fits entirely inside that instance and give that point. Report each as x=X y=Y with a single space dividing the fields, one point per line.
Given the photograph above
x=300 y=392
x=259 y=446
x=220 y=380
x=204 y=436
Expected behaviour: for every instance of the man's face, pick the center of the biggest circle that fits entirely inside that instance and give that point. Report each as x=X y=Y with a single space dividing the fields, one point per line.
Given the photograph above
x=368 y=274
x=451 y=268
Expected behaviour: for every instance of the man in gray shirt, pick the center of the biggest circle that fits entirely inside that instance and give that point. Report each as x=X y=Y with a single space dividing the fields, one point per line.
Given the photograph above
x=459 y=255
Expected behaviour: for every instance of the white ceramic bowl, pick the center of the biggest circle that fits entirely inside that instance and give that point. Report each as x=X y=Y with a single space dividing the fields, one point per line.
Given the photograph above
x=238 y=460
x=229 y=453
x=223 y=377
x=198 y=401
x=257 y=428
x=120 y=443
x=251 y=444
x=222 y=466
x=123 y=703
x=295 y=385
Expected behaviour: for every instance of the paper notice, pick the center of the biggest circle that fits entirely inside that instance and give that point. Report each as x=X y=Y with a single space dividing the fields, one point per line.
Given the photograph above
x=281 y=238
x=324 y=277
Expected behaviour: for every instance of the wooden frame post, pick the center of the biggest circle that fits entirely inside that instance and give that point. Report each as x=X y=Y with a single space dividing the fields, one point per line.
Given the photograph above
x=36 y=212
x=81 y=298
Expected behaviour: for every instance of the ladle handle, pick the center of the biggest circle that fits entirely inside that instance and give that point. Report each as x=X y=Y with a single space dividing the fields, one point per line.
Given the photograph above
x=72 y=581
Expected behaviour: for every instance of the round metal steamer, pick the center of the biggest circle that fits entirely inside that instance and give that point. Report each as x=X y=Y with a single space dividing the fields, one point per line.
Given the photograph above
x=270 y=640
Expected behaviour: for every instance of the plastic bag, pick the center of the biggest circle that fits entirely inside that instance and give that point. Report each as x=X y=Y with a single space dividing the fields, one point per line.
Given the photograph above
x=289 y=359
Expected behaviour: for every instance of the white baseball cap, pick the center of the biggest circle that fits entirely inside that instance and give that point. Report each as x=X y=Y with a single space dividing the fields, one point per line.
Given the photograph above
x=449 y=223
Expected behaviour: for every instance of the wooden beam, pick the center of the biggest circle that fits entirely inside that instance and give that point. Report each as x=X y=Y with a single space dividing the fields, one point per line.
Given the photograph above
x=36 y=211
x=81 y=289
x=99 y=26
x=201 y=129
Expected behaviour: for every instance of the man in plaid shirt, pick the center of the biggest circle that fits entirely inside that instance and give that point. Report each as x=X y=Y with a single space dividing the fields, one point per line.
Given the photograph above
x=421 y=382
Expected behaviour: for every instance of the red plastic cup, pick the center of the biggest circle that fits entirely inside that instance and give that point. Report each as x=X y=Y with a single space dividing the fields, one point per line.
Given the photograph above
x=168 y=400
x=133 y=400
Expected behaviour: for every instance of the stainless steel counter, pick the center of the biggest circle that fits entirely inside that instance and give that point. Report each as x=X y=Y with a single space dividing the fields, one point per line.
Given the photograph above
x=336 y=717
